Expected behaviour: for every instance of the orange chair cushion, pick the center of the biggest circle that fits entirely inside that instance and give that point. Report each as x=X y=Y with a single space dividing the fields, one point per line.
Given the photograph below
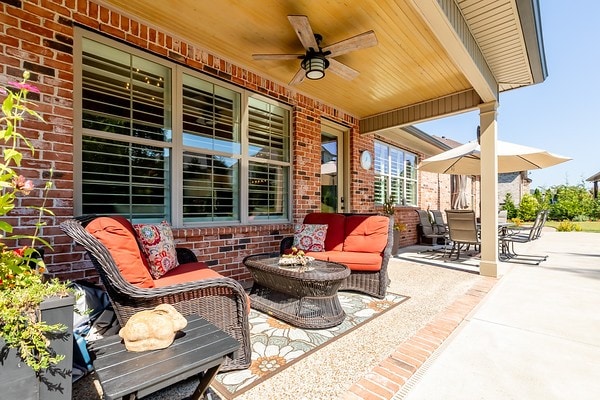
x=335 y=228
x=356 y=261
x=183 y=273
x=367 y=234
x=117 y=235
x=190 y=272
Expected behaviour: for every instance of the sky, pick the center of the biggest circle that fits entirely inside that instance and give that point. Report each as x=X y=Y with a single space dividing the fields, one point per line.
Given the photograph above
x=561 y=114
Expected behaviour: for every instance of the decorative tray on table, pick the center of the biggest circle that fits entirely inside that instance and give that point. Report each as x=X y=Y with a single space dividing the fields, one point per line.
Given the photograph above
x=296 y=260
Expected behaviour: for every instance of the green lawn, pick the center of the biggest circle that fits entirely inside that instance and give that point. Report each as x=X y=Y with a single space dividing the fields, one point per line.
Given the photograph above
x=586 y=226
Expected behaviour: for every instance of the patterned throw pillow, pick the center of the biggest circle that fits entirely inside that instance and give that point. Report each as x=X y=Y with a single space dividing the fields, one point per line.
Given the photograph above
x=158 y=246
x=310 y=237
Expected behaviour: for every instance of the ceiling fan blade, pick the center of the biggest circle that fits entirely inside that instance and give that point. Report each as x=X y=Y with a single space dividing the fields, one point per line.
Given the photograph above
x=304 y=31
x=362 y=41
x=342 y=70
x=277 y=56
x=299 y=77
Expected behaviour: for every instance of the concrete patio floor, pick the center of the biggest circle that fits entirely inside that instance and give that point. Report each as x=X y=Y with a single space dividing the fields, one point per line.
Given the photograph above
x=535 y=335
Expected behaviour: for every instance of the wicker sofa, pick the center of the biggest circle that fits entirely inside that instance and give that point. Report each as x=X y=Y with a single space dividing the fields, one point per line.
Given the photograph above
x=363 y=242
x=191 y=287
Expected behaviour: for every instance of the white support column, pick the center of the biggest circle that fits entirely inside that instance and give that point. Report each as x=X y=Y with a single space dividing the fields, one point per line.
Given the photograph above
x=488 y=265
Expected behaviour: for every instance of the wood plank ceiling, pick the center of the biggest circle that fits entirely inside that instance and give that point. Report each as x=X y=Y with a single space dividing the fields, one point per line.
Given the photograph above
x=408 y=66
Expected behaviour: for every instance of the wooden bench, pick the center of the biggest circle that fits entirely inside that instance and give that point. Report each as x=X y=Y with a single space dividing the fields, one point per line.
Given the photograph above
x=199 y=350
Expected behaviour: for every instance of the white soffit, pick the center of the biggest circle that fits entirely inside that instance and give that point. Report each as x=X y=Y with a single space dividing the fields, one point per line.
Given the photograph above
x=495 y=25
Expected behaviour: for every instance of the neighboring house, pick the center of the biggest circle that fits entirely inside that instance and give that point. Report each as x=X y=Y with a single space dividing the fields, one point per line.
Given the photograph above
x=162 y=113
x=515 y=183
x=594 y=179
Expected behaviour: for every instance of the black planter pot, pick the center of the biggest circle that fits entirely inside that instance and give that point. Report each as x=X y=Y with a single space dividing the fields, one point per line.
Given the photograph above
x=18 y=381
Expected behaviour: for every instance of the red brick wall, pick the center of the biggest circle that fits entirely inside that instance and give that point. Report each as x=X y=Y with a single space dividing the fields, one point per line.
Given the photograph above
x=37 y=35
x=435 y=191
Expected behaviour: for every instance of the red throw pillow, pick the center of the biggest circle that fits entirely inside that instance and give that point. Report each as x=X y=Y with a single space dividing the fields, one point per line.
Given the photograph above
x=310 y=237
x=159 y=247
x=335 y=228
x=116 y=235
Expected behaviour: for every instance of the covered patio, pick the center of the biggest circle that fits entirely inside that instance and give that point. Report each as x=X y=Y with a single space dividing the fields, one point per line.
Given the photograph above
x=161 y=111
x=431 y=59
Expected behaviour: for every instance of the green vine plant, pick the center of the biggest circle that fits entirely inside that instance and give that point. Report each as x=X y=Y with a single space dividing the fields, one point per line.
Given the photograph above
x=23 y=285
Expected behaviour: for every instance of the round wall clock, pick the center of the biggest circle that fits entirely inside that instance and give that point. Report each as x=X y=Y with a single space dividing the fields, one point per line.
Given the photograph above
x=366 y=159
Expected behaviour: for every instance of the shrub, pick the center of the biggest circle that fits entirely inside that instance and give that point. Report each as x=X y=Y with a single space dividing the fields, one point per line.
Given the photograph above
x=568 y=226
x=571 y=202
x=528 y=208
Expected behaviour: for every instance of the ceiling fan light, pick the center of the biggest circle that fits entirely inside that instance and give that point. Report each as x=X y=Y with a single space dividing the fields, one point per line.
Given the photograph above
x=315 y=67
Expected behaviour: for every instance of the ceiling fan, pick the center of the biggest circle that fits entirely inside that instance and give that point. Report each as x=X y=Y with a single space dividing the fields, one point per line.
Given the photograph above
x=317 y=59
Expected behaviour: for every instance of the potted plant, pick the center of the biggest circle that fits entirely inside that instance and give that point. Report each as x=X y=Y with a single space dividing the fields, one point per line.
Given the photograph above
x=36 y=312
x=399 y=227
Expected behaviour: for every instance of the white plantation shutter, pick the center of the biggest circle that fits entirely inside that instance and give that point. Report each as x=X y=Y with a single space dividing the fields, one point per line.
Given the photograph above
x=125 y=168
x=395 y=175
x=269 y=164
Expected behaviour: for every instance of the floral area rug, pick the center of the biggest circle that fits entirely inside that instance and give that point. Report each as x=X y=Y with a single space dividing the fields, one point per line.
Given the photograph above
x=276 y=345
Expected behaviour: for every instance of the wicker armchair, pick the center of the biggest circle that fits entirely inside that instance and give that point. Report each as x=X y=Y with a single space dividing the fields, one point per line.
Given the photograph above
x=221 y=301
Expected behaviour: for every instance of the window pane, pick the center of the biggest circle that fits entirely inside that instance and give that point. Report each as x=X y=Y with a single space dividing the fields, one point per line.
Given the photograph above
x=124 y=94
x=268 y=131
x=268 y=189
x=393 y=169
x=380 y=189
x=411 y=164
x=210 y=188
x=411 y=193
x=210 y=116
x=381 y=159
x=124 y=178
x=396 y=190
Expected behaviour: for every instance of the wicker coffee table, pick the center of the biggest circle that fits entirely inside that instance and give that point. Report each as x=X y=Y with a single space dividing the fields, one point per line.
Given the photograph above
x=304 y=299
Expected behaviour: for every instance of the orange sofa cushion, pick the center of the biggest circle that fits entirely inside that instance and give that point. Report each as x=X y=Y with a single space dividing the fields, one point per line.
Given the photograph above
x=366 y=234
x=356 y=261
x=117 y=235
x=335 y=228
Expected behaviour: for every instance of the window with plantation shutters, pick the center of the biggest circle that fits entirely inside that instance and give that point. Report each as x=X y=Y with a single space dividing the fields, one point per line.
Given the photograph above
x=160 y=141
x=212 y=151
x=395 y=175
x=269 y=160
x=126 y=163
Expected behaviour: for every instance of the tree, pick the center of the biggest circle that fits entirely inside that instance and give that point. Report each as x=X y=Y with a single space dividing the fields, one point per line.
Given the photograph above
x=572 y=202
x=528 y=207
x=509 y=206
x=544 y=198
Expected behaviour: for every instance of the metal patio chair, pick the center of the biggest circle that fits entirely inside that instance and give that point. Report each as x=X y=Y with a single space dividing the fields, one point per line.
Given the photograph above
x=462 y=230
x=428 y=232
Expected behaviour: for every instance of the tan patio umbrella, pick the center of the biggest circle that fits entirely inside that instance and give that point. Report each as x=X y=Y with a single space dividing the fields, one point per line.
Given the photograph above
x=465 y=159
